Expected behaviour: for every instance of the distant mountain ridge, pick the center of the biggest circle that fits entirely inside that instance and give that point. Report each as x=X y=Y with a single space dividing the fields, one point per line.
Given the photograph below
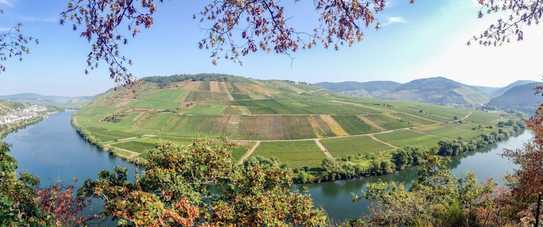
x=522 y=98
x=438 y=90
x=372 y=88
x=503 y=90
x=48 y=100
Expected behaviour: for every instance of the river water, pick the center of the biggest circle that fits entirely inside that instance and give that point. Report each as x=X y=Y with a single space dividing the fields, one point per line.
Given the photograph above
x=53 y=151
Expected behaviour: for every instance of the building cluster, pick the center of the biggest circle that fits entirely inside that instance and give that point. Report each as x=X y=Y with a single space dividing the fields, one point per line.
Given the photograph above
x=21 y=114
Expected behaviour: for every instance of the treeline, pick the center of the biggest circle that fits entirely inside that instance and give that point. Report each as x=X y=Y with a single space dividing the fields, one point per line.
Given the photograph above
x=405 y=157
x=87 y=136
x=182 y=77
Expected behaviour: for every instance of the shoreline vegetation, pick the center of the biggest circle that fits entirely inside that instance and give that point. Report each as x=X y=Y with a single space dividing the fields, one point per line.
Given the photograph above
x=14 y=127
x=406 y=157
x=347 y=168
x=129 y=156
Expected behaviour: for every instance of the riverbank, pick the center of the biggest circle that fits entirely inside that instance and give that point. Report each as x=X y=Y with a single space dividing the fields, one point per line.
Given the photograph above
x=406 y=157
x=336 y=197
x=126 y=155
x=352 y=168
x=11 y=128
x=53 y=151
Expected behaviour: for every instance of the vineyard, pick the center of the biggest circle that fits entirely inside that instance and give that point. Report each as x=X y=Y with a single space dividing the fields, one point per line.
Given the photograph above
x=297 y=123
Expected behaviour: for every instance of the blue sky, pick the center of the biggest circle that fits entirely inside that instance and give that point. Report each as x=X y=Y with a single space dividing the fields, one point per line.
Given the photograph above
x=420 y=40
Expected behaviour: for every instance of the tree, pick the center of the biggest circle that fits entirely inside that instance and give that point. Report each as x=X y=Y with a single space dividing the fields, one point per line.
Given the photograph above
x=526 y=183
x=525 y=192
x=437 y=198
x=235 y=27
x=23 y=203
x=518 y=15
x=13 y=44
x=200 y=184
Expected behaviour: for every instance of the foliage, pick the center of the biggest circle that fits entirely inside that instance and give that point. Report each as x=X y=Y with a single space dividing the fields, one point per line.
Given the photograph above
x=14 y=44
x=262 y=25
x=200 y=184
x=522 y=201
x=437 y=198
x=515 y=16
x=164 y=80
x=23 y=203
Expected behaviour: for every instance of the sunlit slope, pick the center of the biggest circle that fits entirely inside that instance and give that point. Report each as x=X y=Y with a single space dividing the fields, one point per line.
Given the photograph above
x=182 y=108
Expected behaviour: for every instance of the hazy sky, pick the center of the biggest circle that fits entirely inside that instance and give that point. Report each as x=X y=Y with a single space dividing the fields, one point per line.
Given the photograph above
x=421 y=40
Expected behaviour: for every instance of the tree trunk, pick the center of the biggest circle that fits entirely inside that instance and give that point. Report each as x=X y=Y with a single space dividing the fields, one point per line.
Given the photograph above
x=538 y=210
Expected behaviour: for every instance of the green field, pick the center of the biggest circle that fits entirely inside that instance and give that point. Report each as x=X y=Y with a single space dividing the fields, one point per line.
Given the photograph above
x=409 y=138
x=135 y=146
x=285 y=116
x=389 y=122
x=353 y=125
x=293 y=153
x=353 y=146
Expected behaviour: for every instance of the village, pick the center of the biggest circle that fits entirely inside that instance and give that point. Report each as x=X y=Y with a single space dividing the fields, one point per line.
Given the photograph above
x=21 y=114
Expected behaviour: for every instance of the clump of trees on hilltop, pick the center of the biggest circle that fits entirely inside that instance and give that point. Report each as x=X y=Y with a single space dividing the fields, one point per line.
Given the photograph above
x=164 y=80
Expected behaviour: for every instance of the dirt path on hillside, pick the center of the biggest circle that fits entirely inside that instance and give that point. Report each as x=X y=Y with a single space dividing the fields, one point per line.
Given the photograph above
x=467 y=116
x=249 y=153
x=383 y=142
x=381 y=110
x=323 y=149
x=330 y=137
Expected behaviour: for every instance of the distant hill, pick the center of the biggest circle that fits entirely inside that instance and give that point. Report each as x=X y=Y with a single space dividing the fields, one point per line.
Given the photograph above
x=372 y=88
x=57 y=101
x=489 y=91
x=439 y=90
x=502 y=91
x=436 y=90
x=519 y=98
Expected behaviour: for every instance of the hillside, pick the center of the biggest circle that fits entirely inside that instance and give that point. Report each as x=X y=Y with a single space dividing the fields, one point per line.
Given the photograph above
x=297 y=123
x=519 y=98
x=436 y=90
x=57 y=101
x=372 y=88
x=502 y=91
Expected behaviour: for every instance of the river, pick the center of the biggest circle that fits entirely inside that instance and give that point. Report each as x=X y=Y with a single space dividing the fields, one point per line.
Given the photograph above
x=53 y=151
